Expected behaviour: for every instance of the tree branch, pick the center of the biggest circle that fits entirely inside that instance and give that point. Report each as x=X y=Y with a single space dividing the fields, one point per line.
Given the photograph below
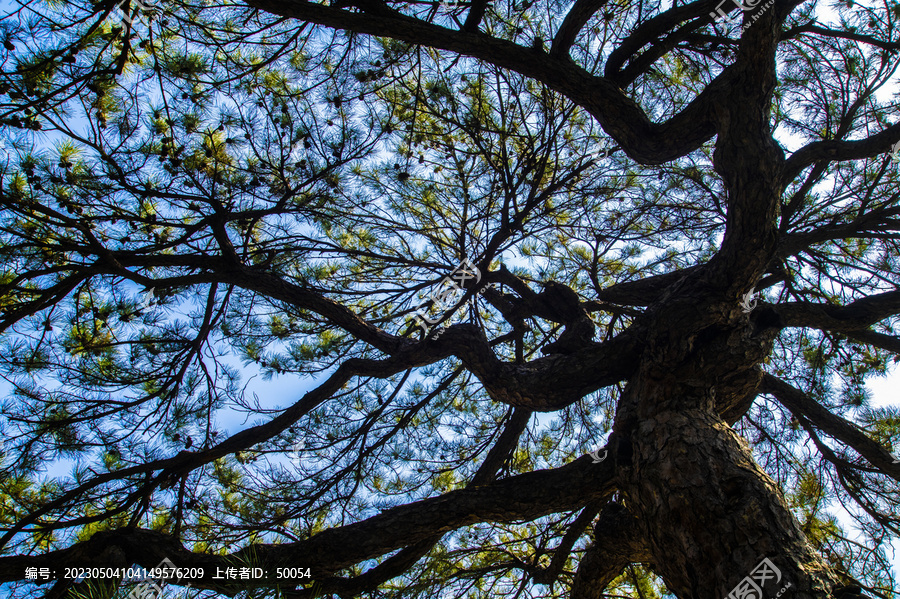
x=643 y=140
x=174 y=467
x=577 y=17
x=847 y=35
x=854 y=317
x=801 y=404
x=889 y=342
x=833 y=150
x=476 y=14
x=549 y=575
x=650 y=31
x=545 y=384
x=407 y=557
x=524 y=497
x=643 y=292
x=618 y=541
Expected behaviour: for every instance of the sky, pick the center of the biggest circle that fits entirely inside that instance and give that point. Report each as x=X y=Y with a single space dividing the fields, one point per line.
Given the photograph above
x=885 y=392
x=283 y=390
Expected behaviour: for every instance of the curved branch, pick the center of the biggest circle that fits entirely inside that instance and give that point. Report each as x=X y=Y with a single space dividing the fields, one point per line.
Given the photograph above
x=277 y=288
x=390 y=568
x=831 y=151
x=649 y=31
x=549 y=575
x=643 y=140
x=751 y=227
x=545 y=384
x=47 y=298
x=847 y=35
x=524 y=497
x=847 y=476
x=577 y=17
x=618 y=541
x=504 y=447
x=854 y=317
x=640 y=64
x=644 y=292
x=171 y=469
x=879 y=223
x=847 y=432
x=889 y=342
x=407 y=557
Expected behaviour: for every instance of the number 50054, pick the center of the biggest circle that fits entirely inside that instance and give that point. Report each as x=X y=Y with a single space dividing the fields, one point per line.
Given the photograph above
x=292 y=573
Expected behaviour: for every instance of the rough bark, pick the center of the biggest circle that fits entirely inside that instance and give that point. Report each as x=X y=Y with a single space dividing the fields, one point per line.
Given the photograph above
x=618 y=541
x=695 y=505
x=709 y=512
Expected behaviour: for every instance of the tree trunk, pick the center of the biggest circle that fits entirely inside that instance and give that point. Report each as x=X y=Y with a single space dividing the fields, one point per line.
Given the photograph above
x=709 y=513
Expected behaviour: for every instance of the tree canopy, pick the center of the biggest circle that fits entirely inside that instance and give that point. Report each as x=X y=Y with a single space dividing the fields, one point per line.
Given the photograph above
x=476 y=299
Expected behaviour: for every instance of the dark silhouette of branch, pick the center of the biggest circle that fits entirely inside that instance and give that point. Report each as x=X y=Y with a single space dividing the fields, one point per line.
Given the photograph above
x=848 y=433
x=522 y=497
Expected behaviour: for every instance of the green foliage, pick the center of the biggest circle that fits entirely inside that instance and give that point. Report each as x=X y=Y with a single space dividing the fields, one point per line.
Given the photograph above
x=237 y=165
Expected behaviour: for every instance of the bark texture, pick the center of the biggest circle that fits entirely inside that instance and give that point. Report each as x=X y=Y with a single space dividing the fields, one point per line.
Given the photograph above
x=679 y=491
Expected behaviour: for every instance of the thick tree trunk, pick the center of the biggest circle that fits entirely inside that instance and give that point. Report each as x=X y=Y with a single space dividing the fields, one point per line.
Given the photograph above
x=710 y=514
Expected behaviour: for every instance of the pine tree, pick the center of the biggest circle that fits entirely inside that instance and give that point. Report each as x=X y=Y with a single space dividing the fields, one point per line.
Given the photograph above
x=415 y=300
